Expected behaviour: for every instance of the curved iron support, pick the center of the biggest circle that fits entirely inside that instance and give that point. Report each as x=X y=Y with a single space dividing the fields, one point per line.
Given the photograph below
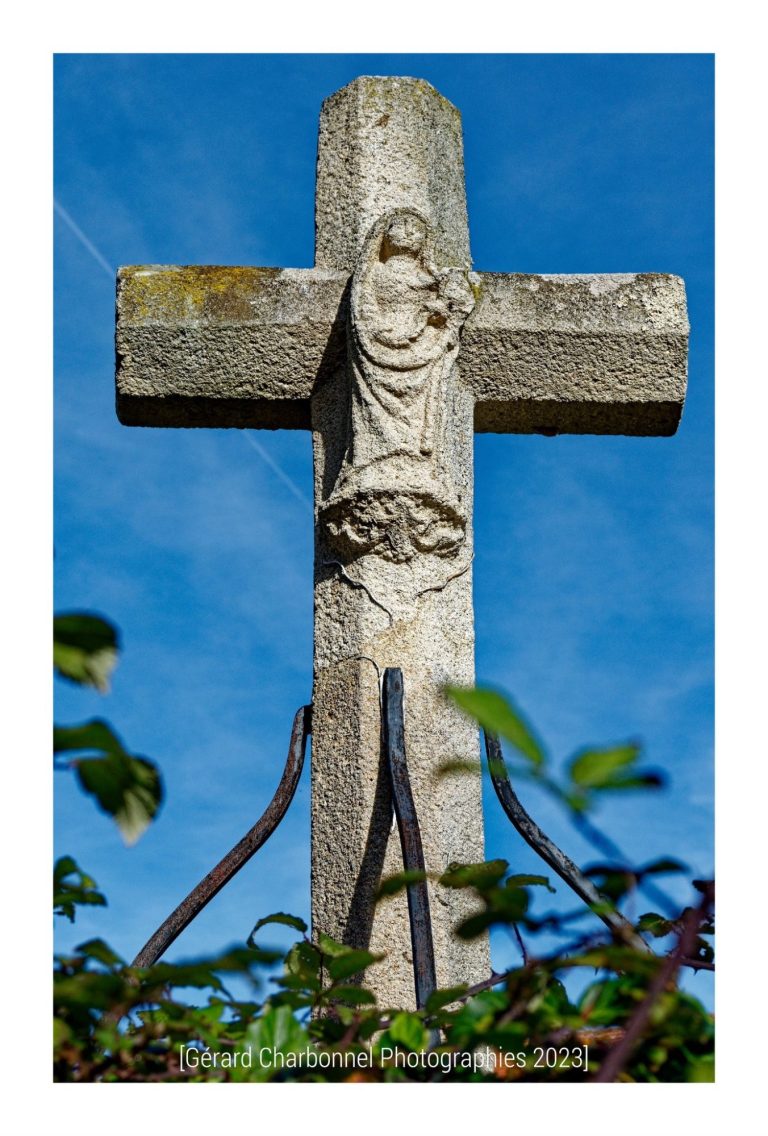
x=208 y=887
x=410 y=838
x=620 y=927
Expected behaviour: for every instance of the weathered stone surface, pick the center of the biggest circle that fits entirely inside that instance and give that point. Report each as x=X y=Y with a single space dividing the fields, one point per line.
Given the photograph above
x=386 y=143
x=394 y=353
x=577 y=354
x=247 y=347
x=221 y=346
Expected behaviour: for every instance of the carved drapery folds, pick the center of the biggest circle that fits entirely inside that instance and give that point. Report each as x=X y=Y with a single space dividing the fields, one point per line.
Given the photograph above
x=394 y=497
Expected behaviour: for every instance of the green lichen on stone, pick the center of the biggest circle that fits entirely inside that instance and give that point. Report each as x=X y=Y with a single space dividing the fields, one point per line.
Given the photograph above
x=148 y=294
x=395 y=90
x=476 y=285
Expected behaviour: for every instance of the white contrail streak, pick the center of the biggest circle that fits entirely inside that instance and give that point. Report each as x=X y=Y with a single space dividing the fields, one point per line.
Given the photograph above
x=102 y=260
x=84 y=241
x=278 y=469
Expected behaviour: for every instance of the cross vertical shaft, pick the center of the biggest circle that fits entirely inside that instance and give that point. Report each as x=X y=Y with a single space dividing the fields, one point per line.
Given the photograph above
x=388 y=144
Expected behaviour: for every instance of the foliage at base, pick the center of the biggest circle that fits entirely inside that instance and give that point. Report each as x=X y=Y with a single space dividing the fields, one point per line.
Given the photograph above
x=317 y=1021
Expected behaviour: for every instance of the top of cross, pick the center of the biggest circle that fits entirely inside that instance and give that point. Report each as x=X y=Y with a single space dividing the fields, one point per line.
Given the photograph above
x=223 y=346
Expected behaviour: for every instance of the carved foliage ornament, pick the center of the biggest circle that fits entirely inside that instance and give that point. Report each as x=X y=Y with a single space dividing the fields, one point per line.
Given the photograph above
x=394 y=497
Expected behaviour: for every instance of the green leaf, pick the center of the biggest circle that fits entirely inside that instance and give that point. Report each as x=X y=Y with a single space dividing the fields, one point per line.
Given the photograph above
x=100 y=951
x=409 y=1030
x=85 y=648
x=61 y=1033
x=278 y=917
x=612 y=880
x=303 y=960
x=294 y=999
x=331 y=947
x=509 y=903
x=477 y=1014
x=595 y=768
x=204 y=972
x=497 y=715
x=129 y=789
x=440 y=998
x=126 y=787
x=64 y=867
x=87 y=991
x=276 y=1030
x=642 y=779
x=666 y=865
x=329 y=1029
x=505 y=906
x=702 y=1069
x=351 y=963
x=95 y=736
x=476 y=925
x=394 y=884
x=605 y=1003
x=458 y=765
x=352 y=996
x=300 y=983
x=481 y=876
x=656 y=924
x=703 y=951
x=73 y=888
x=615 y=957
x=264 y=956
x=529 y=881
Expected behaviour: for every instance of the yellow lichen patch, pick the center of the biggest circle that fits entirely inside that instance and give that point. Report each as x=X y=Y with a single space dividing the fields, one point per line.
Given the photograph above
x=476 y=285
x=396 y=92
x=149 y=294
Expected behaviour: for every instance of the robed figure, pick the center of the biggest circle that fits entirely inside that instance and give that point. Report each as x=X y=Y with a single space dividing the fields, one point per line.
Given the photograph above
x=394 y=495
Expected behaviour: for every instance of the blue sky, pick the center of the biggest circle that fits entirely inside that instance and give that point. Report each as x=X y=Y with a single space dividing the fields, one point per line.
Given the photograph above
x=593 y=569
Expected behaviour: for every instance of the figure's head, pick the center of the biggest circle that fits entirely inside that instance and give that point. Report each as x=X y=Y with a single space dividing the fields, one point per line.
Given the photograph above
x=406 y=233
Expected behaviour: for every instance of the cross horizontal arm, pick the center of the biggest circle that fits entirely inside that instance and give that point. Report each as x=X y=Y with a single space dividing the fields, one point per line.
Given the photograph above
x=577 y=354
x=222 y=346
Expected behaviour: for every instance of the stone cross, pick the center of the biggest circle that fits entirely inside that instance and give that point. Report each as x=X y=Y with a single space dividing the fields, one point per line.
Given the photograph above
x=393 y=352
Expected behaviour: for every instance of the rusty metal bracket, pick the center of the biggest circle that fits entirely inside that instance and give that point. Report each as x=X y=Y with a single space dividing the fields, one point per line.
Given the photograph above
x=212 y=884
x=410 y=838
x=393 y=741
x=557 y=860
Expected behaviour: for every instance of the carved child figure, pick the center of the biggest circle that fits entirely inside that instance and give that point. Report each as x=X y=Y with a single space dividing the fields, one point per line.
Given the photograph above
x=400 y=290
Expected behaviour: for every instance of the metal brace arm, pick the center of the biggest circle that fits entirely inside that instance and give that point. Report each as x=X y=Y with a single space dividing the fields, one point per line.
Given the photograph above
x=212 y=884
x=410 y=837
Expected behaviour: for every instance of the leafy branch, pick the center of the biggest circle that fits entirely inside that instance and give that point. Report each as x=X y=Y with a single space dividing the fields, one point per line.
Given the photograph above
x=125 y=786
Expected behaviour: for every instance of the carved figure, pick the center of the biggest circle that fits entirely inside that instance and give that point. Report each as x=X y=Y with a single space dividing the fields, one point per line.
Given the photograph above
x=394 y=496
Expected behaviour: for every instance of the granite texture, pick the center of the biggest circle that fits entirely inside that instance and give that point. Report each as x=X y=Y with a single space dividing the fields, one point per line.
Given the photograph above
x=554 y=354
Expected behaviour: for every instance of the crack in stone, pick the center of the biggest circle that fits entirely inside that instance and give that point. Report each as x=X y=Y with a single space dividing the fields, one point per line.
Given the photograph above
x=358 y=584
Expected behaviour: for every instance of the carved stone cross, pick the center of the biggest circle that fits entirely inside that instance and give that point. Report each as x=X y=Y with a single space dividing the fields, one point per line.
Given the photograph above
x=394 y=353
